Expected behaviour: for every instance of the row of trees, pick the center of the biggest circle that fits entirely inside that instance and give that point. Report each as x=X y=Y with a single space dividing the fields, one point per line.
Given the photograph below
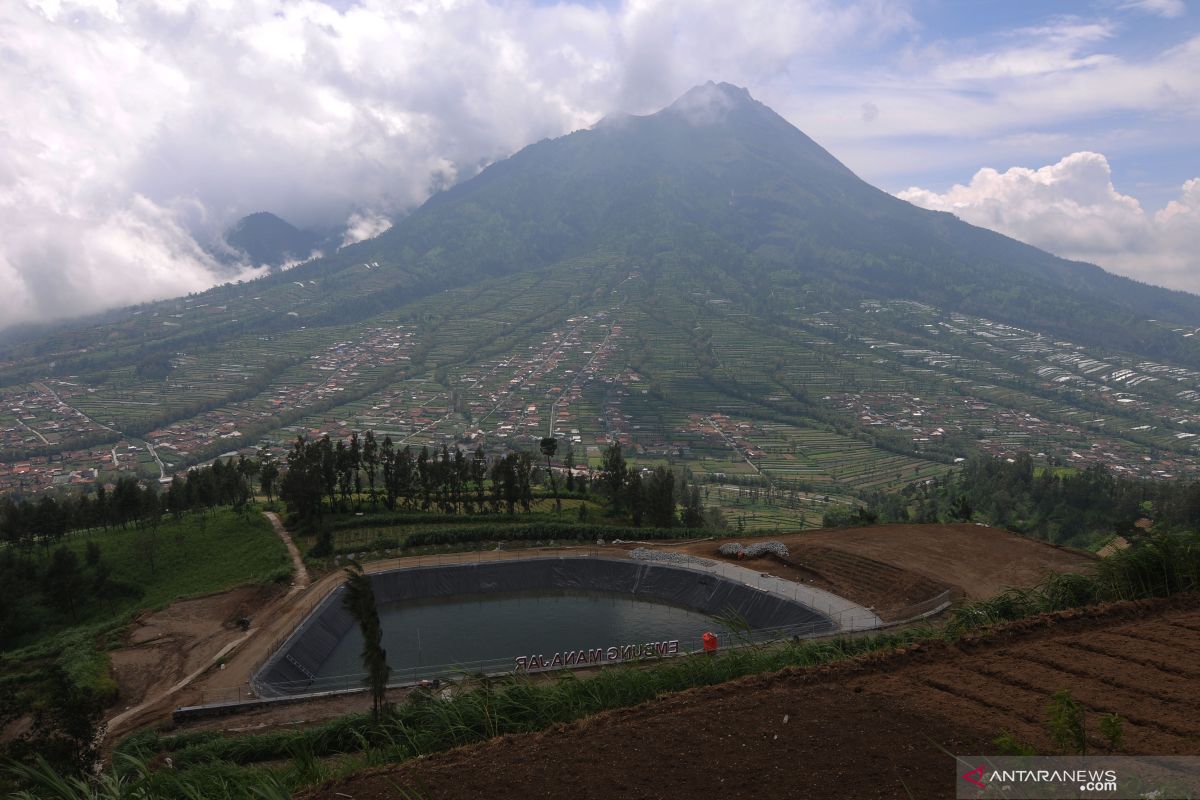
x=26 y=523
x=325 y=475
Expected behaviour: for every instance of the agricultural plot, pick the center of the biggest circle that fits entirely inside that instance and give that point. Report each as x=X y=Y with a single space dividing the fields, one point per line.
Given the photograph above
x=786 y=452
x=40 y=414
x=1023 y=392
x=750 y=509
x=402 y=410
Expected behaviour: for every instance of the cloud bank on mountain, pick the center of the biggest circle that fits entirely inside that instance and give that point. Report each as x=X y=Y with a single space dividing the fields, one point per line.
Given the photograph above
x=132 y=134
x=132 y=131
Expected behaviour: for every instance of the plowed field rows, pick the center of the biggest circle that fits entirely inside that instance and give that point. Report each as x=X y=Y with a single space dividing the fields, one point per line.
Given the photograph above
x=874 y=728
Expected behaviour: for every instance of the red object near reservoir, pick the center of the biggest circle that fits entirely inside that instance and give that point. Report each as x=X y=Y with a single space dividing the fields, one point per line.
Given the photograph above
x=711 y=642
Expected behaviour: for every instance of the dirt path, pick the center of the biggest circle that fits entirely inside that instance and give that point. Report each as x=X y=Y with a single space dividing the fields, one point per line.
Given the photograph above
x=301 y=572
x=167 y=646
x=877 y=727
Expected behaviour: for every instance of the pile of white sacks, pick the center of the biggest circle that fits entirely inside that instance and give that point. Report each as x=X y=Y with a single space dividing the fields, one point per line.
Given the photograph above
x=736 y=550
x=665 y=556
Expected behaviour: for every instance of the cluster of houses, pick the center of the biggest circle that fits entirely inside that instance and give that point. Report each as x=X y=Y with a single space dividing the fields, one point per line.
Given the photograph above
x=37 y=415
x=718 y=429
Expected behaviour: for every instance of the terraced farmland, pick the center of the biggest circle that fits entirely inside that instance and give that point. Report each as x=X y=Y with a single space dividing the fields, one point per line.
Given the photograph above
x=824 y=403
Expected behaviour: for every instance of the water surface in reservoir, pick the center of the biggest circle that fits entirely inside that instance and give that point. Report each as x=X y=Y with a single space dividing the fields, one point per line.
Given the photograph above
x=472 y=628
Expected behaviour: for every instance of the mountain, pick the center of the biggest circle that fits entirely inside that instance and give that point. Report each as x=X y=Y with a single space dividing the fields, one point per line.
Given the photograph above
x=264 y=238
x=719 y=169
x=705 y=283
x=717 y=181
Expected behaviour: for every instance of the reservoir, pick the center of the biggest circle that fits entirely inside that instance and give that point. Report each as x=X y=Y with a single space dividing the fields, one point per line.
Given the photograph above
x=441 y=621
x=466 y=630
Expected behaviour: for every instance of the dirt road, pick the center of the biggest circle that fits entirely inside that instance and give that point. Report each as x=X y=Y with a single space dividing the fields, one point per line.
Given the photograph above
x=300 y=572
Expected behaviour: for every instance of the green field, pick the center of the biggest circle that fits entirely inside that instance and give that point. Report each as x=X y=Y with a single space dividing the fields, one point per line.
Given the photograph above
x=198 y=554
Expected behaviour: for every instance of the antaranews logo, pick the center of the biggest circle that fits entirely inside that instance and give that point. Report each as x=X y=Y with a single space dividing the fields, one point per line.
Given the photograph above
x=1104 y=777
x=975 y=776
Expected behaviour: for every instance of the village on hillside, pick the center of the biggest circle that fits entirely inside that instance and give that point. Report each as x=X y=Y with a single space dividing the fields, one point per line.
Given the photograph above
x=988 y=388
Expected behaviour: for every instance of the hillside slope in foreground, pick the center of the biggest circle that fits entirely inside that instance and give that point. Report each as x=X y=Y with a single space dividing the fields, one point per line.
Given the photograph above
x=877 y=727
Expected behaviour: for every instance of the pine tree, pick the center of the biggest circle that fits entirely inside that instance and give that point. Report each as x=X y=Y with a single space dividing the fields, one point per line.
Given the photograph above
x=569 y=464
x=359 y=600
x=612 y=475
x=693 y=512
x=636 y=495
x=370 y=462
x=387 y=461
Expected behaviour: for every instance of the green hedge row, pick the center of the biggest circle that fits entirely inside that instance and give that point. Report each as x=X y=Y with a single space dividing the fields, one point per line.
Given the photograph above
x=523 y=532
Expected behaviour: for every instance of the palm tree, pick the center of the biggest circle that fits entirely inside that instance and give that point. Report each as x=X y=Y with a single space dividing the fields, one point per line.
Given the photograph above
x=359 y=600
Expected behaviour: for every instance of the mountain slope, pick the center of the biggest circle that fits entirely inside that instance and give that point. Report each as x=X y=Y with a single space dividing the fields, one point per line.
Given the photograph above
x=266 y=239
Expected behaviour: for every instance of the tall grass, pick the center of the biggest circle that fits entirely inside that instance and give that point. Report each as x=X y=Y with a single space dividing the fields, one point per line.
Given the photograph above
x=1161 y=566
x=131 y=778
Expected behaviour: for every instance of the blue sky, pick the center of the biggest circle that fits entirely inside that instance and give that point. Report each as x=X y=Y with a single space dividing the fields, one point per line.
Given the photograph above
x=1152 y=148
x=133 y=133
x=1147 y=160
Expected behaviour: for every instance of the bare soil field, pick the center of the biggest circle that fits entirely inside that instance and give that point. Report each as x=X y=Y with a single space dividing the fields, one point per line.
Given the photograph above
x=165 y=646
x=891 y=566
x=876 y=727
x=170 y=651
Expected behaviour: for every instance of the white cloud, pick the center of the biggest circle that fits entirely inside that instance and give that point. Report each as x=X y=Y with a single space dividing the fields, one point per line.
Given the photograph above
x=129 y=130
x=1072 y=209
x=360 y=227
x=1030 y=79
x=950 y=104
x=1163 y=8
